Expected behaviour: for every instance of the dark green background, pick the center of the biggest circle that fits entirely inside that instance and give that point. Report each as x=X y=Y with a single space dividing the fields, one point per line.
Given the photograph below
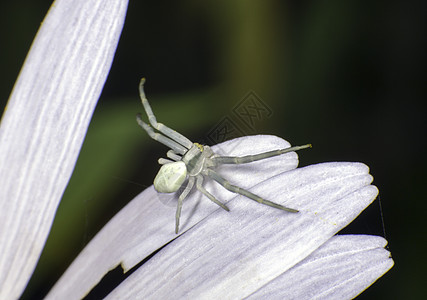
x=346 y=76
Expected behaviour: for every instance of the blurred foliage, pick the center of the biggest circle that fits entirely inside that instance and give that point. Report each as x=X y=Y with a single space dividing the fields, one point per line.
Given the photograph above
x=343 y=75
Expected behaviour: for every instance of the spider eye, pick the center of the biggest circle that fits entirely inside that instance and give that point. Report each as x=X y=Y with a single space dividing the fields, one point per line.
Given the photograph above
x=170 y=177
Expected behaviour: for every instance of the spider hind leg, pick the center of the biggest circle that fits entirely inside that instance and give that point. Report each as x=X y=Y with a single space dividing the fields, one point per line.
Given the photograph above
x=181 y=198
x=222 y=160
x=207 y=194
x=235 y=189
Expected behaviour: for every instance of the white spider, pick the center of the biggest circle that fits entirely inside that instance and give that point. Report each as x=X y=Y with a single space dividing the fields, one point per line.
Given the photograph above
x=194 y=161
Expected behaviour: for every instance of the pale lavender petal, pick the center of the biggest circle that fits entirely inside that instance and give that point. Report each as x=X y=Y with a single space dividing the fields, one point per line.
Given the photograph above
x=232 y=255
x=44 y=124
x=341 y=268
x=146 y=224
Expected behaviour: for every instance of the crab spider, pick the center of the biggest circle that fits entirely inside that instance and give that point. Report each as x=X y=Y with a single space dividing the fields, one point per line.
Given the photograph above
x=194 y=161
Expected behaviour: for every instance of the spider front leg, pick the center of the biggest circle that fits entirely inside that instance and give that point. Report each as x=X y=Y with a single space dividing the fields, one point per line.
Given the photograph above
x=173 y=158
x=172 y=155
x=174 y=135
x=160 y=138
x=235 y=189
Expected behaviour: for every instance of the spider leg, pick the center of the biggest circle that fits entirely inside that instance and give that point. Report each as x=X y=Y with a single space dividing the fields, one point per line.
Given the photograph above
x=161 y=138
x=164 y=161
x=235 y=189
x=220 y=160
x=179 y=138
x=172 y=155
x=199 y=186
x=183 y=195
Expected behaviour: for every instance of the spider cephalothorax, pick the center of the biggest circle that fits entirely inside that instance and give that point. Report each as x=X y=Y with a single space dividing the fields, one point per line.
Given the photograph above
x=192 y=161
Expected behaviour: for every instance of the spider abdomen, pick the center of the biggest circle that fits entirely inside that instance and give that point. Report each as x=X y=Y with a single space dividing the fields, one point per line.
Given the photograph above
x=170 y=177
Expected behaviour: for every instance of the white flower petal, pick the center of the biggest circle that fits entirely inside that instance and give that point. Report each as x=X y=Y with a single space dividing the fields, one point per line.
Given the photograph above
x=340 y=269
x=232 y=255
x=44 y=125
x=145 y=224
